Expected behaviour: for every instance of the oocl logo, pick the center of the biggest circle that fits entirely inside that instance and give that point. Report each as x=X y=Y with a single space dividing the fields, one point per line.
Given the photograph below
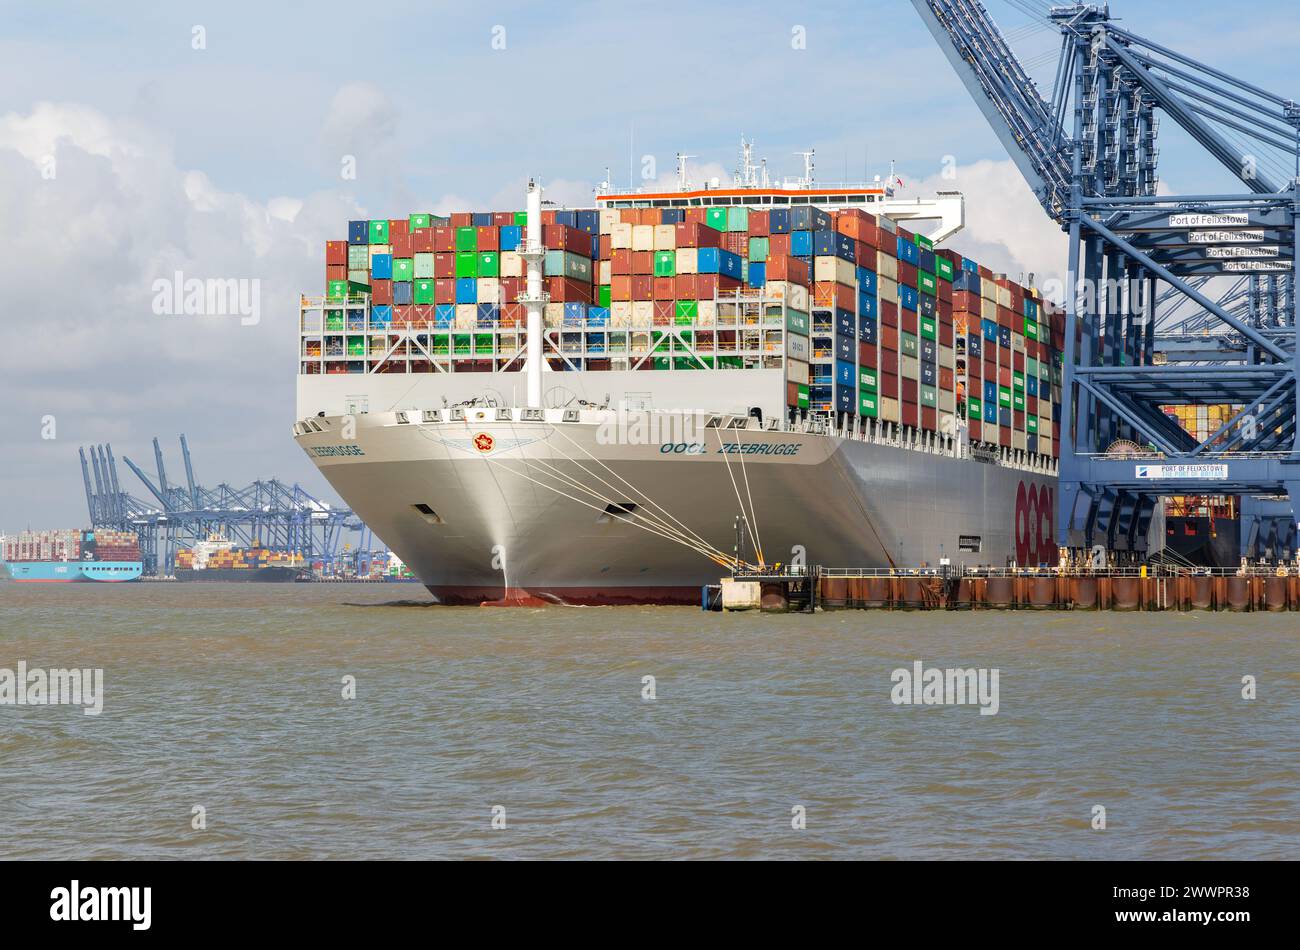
x=1034 y=525
x=483 y=442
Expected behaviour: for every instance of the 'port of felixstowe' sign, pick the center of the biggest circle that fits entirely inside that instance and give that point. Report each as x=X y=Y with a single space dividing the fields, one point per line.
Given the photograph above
x=1182 y=471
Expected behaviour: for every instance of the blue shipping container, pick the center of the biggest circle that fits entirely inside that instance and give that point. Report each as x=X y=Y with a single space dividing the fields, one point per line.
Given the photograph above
x=929 y=374
x=907 y=251
x=575 y=313
x=1031 y=385
x=444 y=314
x=487 y=313
x=381 y=313
x=907 y=297
x=567 y=218
x=808 y=218
x=846 y=347
x=846 y=373
x=778 y=221
x=402 y=295
x=358 y=232
x=991 y=413
x=925 y=260
x=991 y=394
x=381 y=266
x=823 y=243
x=801 y=243
x=846 y=399
x=973 y=345
x=589 y=221
x=1004 y=417
x=866 y=281
x=481 y=219
x=927 y=306
x=844 y=321
x=990 y=330
x=1004 y=337
x=598 y=316
x=757 y=274
x=867 y=330
x=867 y=305
x=510 y=236
x=466 y=290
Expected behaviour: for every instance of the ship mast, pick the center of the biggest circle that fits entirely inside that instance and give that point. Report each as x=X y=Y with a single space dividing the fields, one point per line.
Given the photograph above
x=534 y=299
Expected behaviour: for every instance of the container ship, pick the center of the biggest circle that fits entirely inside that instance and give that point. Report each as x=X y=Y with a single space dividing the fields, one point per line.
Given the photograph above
x=219 y=559
x=68 y=556
x=618 y=404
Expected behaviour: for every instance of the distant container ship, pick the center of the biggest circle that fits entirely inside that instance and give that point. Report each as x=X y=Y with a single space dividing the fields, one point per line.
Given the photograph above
x=218 y=559
x=68 y=556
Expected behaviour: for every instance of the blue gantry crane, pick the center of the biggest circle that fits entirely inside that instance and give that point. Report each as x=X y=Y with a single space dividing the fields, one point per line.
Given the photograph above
x=274 y=514
x=1170 y=299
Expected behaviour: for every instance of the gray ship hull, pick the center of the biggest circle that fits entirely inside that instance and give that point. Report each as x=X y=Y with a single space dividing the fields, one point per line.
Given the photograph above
x=488 y=511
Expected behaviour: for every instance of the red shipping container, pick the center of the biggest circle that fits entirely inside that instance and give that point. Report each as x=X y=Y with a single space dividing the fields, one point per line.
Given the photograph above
x=1004 y=320
x=336 y=272
x=422 y=241
x=444 y=265
x=567 y=290
x=696 y=234
x=1031 y=405
x=399 y=227
x=665 y=288
x=620 y=262
x=1004 y=376
x=945 y=312
x=945 y=334
x=665 y=311
x=965 y=301
x=422 y=313
x=909 y=412
x=789 y=269
x=620 y=287
x=336 y=252
x=694 y=216
x=990 y=366
x=975 y=430
x=945 y=379
x=643 y=287
x=444 y=291
x=830 y=294
x=889 y=339
x=548 y=217
x=792 y=394
x=707 y=286
x=907 y=274
x=460 y=219
x=1018 y=362
x=758 y=224
x=381 y=291
x=778 y=245
x=888 y=382
x=945 y=291
x=402 y=315
x=444 y=239
x=728 y=285
x=606 y=246
x=888 y=313
x=513 y=315
x=643 y=262
x=907 y=321
x=403 y=245
x=511 y=288
x=889 y=361
x=502 y=219
x=866 y=354
x=985 y=273
x=684 y=287
x=929 y=419
x=856 y=223
x=488 y=238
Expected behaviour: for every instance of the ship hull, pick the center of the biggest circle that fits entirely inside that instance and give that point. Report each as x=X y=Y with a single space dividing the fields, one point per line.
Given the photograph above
x=515 y=513
x=70 y=572
x=261 y=575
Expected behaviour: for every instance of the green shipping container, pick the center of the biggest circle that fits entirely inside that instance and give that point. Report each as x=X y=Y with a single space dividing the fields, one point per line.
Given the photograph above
x=1004 y=397
x=358 y=257
x=423 y=291
x=423 y=265
x=483 y=342
x=466 y=264
x=922 y=241
x=758 y=248
x=489 y=264
x=803 y=397
x=973 y=409
x=796 y=321
x=663 y=362
x=419 y=221
x=521 y=218
x=665 y=263
x=1031 y=366
x=867 y=381
x=356 y=346
x=379 y=231
x=867 y=404
x=929 y=396
x=1018 y=381
x=907 y=344
x=440 y=344
x=466 y=239
x=461 y=343
x=687 y=311
x=404 y=268
x=333 y=319
x=928 y=329
x=1031 y=423
x=1018 y=400
x=737 y=219
x=1031 y=328
x=716 y=218
x=926 y=283
x=359 y=275
x=944 y=268
x=602 y=295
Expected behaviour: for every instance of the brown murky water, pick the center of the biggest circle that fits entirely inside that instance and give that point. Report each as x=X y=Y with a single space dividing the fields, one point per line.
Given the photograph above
x=229 y=697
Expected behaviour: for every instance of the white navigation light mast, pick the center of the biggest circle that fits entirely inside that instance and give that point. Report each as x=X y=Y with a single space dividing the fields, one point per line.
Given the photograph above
x=534 y=298
x=683 y=182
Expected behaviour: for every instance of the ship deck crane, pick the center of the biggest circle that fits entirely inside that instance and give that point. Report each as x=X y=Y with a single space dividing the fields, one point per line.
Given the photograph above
x=1170 y=334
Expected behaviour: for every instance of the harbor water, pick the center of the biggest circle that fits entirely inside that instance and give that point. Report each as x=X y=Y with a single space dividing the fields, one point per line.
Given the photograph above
x=230 y=699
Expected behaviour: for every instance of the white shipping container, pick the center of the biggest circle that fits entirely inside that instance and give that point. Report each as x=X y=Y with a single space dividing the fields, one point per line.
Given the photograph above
x=606 y=271
x=608 y=218
x=687 y=260
x=552 y=315
x=1004 y=296
x=797 y=347
x=665 y=237
x=489 y=290
x=887 y=289
x=886 y=264
x=989 y=309
x=947 y=357
x=466 y=316
x=947 y=404
x=988 y=290
x=620 y=236
x=796 y=371
x=379 y=249
x=1044 y=427
x=643 y=312
x=909 y=367
x=643 y=237
x=889 y=408
x=708 y=313
x=620 y=313
x=512 y=265
x=1018 y=440
x=834 y=269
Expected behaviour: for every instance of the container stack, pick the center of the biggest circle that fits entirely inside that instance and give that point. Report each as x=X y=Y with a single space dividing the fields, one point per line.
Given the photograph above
x=870 y=320
x=1202 y=421
x=63 y=545
x=116 y=545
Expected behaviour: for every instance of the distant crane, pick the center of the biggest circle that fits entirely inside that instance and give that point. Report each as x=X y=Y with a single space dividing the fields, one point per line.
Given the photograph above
x=1148 y=322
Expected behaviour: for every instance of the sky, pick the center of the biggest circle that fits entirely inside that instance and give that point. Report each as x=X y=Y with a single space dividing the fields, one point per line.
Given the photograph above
x=142 y=139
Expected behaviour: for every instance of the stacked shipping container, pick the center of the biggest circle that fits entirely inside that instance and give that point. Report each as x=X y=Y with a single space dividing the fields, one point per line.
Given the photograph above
x=877 y=323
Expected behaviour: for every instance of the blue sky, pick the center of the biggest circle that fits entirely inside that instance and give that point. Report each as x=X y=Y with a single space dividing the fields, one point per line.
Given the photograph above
x=225 y=161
